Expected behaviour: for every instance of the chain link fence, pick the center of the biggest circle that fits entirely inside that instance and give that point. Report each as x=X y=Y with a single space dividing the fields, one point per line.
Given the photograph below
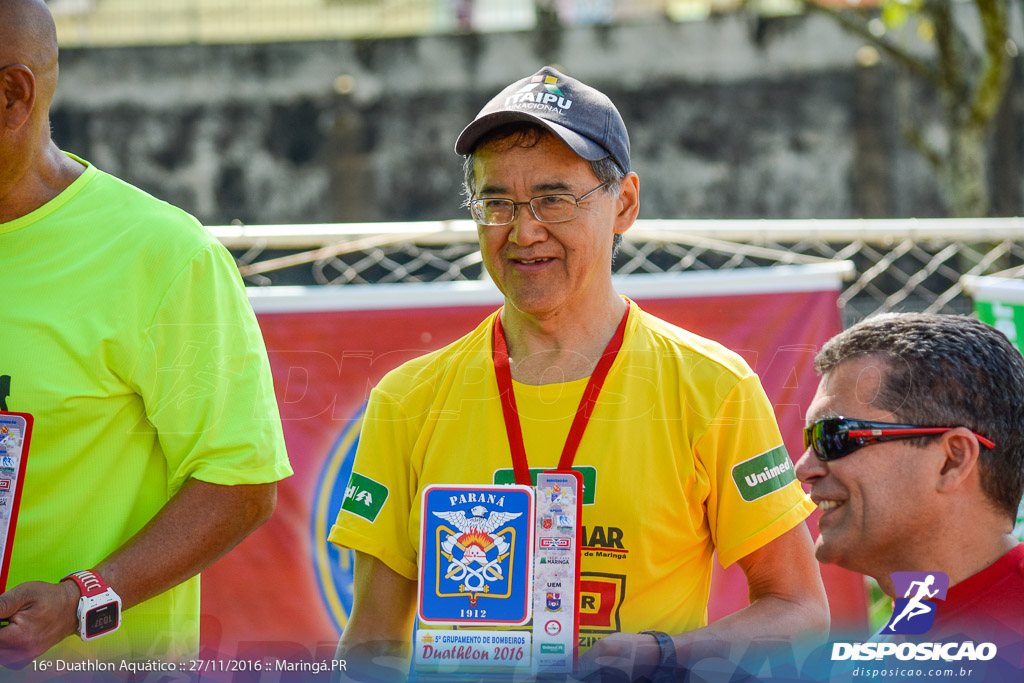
x=898 y=265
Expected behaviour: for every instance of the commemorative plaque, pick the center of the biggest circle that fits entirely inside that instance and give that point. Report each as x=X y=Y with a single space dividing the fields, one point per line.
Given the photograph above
x=476 y=570
x=15 y=436
x=499 y=578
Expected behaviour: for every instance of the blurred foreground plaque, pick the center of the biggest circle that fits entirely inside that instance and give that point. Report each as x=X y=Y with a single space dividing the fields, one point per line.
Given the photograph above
x=15 y=436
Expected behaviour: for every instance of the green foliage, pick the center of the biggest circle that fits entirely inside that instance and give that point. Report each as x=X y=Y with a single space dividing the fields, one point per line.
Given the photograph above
x=895 y=13
x=879 y=606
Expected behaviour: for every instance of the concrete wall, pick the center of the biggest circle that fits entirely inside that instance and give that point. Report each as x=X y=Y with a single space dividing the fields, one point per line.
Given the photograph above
x=733 y=117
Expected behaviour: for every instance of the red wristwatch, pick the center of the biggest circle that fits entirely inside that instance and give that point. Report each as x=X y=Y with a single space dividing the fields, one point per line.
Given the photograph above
x=99 y=608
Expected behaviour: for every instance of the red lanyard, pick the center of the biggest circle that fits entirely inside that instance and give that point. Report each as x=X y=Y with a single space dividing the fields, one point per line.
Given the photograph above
x=503 y=372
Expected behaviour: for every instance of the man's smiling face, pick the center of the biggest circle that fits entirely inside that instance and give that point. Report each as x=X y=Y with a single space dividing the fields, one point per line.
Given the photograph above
x=874 y=501
x=544 y=268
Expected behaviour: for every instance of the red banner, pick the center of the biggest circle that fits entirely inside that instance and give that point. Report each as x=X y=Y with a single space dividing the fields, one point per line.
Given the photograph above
x=286 y=591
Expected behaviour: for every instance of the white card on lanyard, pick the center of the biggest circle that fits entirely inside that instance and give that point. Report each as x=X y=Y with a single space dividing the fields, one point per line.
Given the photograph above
x=556 y=572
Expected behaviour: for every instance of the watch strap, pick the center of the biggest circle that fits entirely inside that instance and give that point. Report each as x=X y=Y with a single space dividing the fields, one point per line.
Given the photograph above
x=665 y=672
x=90 y=583
x=99 y=607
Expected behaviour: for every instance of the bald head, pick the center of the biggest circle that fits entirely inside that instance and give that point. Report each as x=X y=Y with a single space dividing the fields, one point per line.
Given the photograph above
x=29 y=37
x=33 y=170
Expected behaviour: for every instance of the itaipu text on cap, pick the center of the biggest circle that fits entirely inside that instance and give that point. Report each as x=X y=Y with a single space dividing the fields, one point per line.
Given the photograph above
x=582 y=117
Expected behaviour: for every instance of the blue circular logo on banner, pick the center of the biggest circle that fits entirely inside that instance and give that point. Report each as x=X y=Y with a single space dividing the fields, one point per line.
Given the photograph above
x=333 y=565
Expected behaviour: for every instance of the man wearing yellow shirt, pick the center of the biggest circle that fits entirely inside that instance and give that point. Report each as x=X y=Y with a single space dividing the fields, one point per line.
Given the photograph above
x=680 y=456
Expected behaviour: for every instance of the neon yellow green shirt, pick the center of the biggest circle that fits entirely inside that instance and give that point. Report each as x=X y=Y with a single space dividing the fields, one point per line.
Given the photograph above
x=682 y=457
x=127 y=334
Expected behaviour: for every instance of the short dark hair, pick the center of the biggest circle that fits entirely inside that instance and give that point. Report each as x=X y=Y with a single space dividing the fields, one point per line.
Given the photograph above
x=947 y=371
x=526 y=134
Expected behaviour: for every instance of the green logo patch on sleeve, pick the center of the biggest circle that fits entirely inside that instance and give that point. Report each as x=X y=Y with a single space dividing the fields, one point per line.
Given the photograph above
x=764 y=473
x=364 y=497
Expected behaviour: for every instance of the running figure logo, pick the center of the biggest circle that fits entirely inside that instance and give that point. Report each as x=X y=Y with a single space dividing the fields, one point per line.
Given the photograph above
x=914 y=613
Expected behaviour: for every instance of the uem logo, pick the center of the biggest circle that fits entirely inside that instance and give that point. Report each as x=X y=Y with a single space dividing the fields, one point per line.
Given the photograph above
x=914 y=613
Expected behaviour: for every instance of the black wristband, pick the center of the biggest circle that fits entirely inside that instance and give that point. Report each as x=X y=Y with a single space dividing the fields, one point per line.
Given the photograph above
x=665 y=672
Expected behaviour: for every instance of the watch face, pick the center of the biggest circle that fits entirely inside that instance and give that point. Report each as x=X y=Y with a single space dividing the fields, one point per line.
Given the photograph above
x=100 y=620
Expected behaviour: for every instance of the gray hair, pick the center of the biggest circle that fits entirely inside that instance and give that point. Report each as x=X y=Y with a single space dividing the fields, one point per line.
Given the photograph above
x=526 y=134
x=947 y=371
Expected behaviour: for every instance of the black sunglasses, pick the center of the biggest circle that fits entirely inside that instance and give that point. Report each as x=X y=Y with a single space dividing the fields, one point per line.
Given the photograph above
x=836 y=437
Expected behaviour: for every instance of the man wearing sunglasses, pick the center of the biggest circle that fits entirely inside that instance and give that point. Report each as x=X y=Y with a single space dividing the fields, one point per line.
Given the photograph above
x=915 y=457
x=570 y=374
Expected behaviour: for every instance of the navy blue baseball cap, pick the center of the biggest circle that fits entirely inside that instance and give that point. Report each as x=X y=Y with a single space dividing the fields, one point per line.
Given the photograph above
x=582 y=117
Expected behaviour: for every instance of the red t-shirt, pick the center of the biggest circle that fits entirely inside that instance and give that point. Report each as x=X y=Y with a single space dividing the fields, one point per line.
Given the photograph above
x=987 y=607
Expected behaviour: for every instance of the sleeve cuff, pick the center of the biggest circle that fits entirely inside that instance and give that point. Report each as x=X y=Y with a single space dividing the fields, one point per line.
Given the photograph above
x=800 y=511
x=347 y=538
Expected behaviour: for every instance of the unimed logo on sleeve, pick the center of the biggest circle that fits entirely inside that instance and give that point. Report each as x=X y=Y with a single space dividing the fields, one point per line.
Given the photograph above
x=764 y=473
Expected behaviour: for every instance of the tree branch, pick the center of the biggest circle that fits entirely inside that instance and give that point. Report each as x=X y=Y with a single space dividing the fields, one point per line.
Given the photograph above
x=914 y=138
x=995 y=74
x=953 y=54
x=916 y=66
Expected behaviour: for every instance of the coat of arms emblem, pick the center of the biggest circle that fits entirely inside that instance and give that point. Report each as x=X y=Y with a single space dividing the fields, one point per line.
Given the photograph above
x=476 y=554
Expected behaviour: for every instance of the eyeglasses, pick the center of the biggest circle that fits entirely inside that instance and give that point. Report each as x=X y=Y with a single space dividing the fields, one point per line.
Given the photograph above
x=547 y=208
x=836 y=437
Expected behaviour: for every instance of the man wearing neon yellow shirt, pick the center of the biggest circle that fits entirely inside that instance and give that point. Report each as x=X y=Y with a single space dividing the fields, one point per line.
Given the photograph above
x=129 y=342
x=549 y=185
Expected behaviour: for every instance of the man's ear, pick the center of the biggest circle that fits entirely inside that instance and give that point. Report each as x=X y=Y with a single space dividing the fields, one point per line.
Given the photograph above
x=628 y=203
x=17 y=95
x=960 y=450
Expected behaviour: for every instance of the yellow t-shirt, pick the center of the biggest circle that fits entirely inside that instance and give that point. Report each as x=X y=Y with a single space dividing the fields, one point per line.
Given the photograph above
x=682 y=456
